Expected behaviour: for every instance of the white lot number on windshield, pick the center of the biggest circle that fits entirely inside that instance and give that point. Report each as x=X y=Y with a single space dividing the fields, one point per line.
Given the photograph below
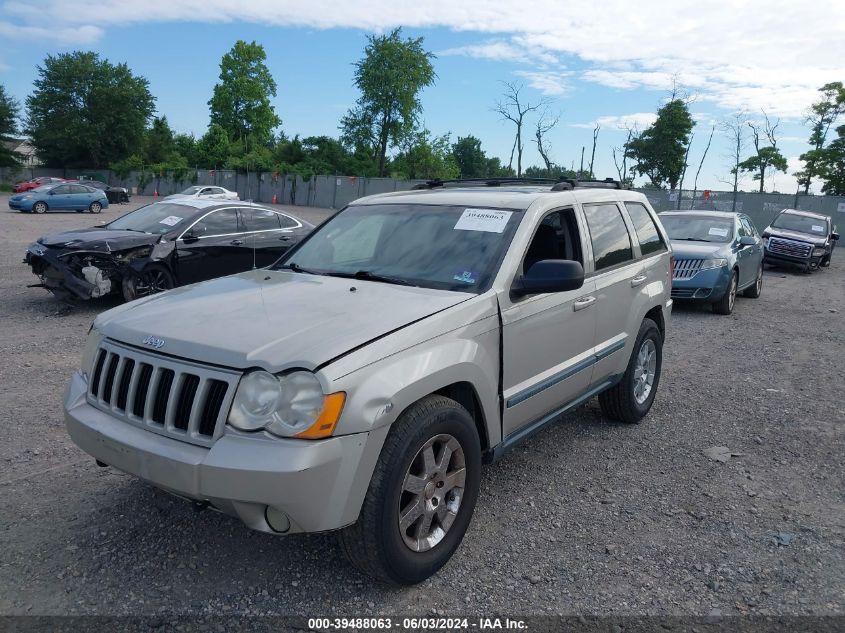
x=487 y=220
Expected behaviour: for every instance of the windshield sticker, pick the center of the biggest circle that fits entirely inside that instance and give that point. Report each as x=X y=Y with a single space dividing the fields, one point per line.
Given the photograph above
x=467 y=276
x=171 y=220
x=715 y=230
x=487 y=220
x=817 y=228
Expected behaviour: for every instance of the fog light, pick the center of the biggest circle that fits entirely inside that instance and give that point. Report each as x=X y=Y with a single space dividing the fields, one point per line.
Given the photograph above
x=277 y=520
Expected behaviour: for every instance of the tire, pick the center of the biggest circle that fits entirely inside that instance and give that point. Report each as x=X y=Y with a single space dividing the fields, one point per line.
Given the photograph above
x=725 y=305
x=825 y=262
x=631 y=398
x=39 y=207
x=95 y=207
x=754 y=291
x=376 y=544
x=150 y=281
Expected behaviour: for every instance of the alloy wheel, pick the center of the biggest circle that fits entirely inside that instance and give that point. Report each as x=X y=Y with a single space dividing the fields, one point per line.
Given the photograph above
x=645 y=370
x=151 y=283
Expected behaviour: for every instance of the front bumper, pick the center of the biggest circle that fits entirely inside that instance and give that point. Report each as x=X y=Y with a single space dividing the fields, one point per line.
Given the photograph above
x=705 y=285
x=319 y=485
x=56 y=275
x=780 y=258
x=21 y=205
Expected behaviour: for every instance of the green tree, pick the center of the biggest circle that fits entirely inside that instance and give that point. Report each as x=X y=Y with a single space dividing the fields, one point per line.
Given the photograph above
x=186 y=146
x=213 y=148
x=765 y=156
x=821 y=117
x=471 y=160
x=660 y=149
x=831 y=165
x=9 y=109
x=390 y=77
x=87 y=112
x=241 y=101
x=426 y=156
x=158 y=143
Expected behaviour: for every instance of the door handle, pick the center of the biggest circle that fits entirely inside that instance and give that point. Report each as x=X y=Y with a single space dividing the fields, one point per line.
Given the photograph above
x=236 y=242
x=639 y=280
x=285 y=238
x=583 y=302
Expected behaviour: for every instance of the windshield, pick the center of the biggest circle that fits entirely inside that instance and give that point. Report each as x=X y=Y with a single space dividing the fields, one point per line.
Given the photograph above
x=801 y=224
x=190 y=191
x=446 y=247
x=154 y=218
x=45 y=188
x=698 y=228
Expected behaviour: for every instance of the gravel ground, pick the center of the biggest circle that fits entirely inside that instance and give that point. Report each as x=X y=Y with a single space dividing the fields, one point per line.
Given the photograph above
x=588 y=517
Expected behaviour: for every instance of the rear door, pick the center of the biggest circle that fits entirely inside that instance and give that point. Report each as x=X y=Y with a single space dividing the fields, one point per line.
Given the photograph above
x=269 y=233
x=212 y=247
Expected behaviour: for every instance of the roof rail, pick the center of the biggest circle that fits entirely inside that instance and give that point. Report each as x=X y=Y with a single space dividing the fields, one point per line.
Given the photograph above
x=486 y=182
x=567 y=184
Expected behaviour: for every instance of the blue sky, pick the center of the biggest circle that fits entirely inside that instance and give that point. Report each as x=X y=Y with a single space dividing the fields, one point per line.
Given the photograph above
x=606 y=64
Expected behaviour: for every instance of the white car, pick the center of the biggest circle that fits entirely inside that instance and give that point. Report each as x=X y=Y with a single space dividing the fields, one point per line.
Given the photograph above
x=205 y=193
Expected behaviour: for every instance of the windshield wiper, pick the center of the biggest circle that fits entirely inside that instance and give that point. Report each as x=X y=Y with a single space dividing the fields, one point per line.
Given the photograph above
x=690 y=239
x=297 y=269
x=370 y=276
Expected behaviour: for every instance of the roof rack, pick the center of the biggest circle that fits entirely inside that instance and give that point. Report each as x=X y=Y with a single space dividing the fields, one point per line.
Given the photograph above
x=558 y=184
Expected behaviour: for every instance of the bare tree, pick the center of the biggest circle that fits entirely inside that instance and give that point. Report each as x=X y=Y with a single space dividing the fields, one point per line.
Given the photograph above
x=701 y=162
x=622 y=169
x=544 y=125
x=765 y=157
x=684 y=172
x=513 y=109
x=593 y=153
x=734 y=130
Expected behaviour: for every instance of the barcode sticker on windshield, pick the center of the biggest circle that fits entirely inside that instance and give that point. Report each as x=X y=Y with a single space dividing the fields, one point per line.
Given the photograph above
x=171 y=220
x=715 y=230
x=487 y=220
x=818 y=228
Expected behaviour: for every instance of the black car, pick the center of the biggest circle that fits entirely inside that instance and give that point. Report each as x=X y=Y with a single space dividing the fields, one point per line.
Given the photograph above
x=162 y=245
x=800 y=238
x=115 y=195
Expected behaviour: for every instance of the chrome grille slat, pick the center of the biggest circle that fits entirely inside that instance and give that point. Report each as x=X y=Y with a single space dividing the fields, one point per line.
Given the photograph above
x=793 y=248
x=686 y=268
x=191 y=400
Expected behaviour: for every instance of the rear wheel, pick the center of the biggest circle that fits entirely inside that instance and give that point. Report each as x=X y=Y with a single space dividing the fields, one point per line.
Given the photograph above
x=755 y=290
x=39 y=207
x=725 y=305
x=150 y=281
x=421 y=495
x=95 y=207
x=630 y=399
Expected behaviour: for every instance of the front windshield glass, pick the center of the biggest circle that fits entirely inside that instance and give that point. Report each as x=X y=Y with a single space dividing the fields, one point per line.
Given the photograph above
x=190 y=191
x=698 y=228
x=446 y=247
x=154 y=218
x=800 y=224
x=45 y=188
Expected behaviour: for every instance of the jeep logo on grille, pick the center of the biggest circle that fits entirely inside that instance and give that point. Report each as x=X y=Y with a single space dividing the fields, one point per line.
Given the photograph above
x=154 y=341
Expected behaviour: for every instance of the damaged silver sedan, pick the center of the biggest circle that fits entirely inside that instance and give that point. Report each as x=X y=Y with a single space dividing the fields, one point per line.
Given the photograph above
x=161 y=246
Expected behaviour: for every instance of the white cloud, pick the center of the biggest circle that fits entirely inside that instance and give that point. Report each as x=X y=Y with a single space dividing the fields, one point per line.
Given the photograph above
x=552 y=83
x=640 y=120
x=734 y=54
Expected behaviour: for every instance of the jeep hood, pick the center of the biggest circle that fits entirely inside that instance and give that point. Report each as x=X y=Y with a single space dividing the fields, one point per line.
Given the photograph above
x=817 y=240
x=272 y=319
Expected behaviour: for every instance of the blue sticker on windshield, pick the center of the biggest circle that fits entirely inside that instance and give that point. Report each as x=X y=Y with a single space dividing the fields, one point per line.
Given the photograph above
x=467 y=276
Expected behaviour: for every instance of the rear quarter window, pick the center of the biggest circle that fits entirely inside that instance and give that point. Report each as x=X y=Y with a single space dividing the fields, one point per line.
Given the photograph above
x=647 y=233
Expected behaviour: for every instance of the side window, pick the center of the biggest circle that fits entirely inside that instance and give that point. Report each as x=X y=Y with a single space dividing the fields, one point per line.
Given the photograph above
x=62 y=189
x=79 y=189
x=647 y=233
x=206 y=192
x=259 y=219
x=743 y=229
x=749 y=226
x=286 y=222
x=556 y=238
x=220 y=222
x=609 y=235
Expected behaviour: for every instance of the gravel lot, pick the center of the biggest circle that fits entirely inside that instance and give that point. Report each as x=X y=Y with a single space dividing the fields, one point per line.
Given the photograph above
x=588 y=517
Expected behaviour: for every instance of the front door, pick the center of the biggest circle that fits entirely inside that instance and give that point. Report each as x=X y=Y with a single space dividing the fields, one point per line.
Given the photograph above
x=213 y=247
x=547 y=338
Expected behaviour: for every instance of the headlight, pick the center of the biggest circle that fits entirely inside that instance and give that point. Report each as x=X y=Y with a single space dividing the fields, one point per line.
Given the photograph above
x=713 y=263
x=290 y=405
x=90 y=351
x=818 y=252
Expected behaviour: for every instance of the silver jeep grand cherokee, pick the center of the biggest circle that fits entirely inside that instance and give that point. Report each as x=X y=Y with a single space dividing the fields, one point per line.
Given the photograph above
x=359 y=383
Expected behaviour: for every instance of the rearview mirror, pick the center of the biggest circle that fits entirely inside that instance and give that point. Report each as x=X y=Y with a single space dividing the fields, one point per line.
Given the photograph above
x=747 y=240
x=549 y=275
x=834 y=236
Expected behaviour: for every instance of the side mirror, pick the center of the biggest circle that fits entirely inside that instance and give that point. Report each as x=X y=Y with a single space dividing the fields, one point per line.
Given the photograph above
x=549 y=275
x=747 y=240
x=190 y=238
x=834 y=236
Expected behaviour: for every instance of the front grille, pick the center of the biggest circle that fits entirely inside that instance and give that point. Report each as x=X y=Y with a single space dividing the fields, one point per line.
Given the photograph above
x=792 y=248
x=183 y=400
x=686 y=268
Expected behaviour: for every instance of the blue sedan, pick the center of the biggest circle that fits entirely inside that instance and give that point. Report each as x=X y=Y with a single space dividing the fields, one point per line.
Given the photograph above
x=60 y=196
x=716 y=255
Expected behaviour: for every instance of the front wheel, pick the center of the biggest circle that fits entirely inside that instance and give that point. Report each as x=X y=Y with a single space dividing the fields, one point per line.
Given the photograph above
x=39 y=207
x=421 y=495
x=755 y=290
x=150 y=281
x=95 y=207
x=631 y=398
x=725 y=305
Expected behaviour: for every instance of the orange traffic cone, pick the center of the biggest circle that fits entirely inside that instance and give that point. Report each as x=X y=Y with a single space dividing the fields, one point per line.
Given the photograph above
x=155 y=193
x=274 y=199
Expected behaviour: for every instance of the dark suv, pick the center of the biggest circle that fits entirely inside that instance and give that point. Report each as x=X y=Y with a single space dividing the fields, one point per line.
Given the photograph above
x=800 y=238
